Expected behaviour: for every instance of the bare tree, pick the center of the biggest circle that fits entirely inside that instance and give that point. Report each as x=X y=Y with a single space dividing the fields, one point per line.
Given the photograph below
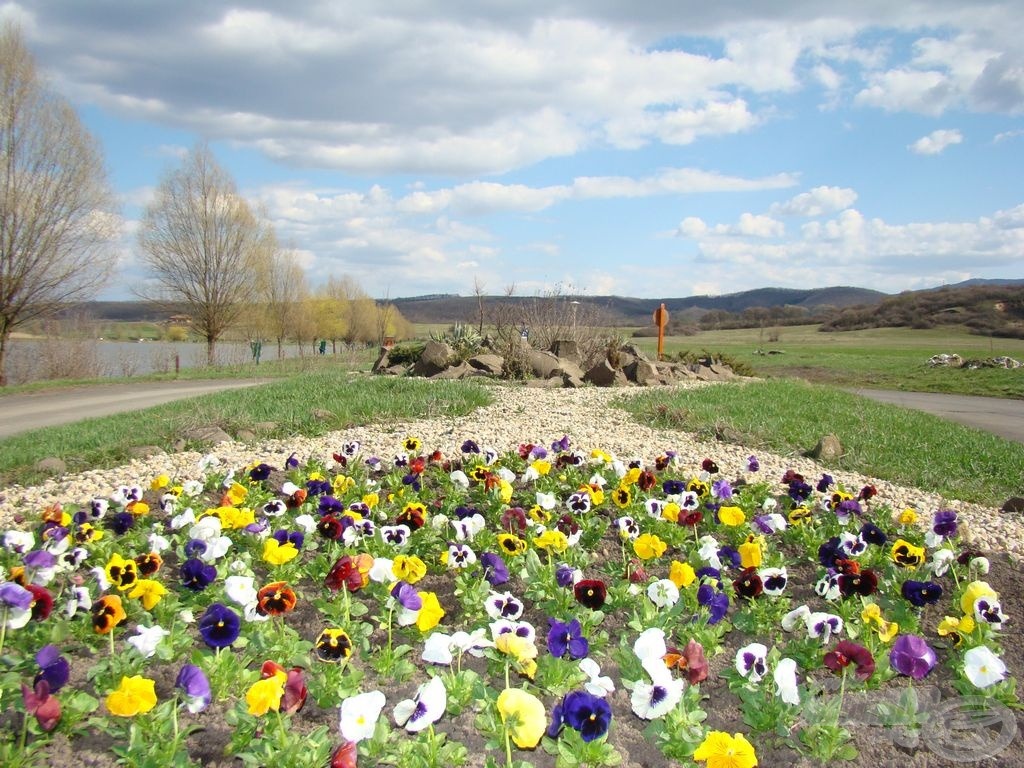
x=285 y=291
x=479 y=290
x=56 y=209
x=204 y=246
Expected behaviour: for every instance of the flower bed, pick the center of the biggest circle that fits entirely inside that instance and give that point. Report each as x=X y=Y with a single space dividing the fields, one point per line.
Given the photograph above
x=542 y=607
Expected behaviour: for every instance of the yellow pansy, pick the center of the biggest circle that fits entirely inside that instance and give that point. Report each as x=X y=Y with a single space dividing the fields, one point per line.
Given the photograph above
x=721 y=750
x=541 y=467
x=276 y=553
x=671 y=512
x=371 y=500
x=632 y=477
x=750 y=552
x=134 y=696
x=504 y=491
x=648 y=546
x=342 y=483
x=408 y=568
x=430 y=613
x=149 y=591
x=138 y=508
x=265 y=695
x=523 y=715
x=907 y=517
x=236 y=494
x=522 y=650
x=158 y=482
x=552 y=540
x=681 y=574
x=731 y=516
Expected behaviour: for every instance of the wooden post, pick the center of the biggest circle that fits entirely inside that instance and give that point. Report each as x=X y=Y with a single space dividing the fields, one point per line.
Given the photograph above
x=661 y=320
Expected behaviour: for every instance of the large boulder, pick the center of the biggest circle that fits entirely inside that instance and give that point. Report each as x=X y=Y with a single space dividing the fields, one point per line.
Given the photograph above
x=643 y=372
x=382 y=361
x=492 y=365
x=206 y=435
x=543 y=364
x=605 y=375
x=567 y=367
x=828 y=449
x=567 y=349
x=633 y=351
x=460 y=371
x=435 y=358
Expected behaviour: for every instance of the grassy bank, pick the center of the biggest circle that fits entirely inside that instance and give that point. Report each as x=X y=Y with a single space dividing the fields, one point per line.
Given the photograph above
x=879 y=358
x=289 y=404
x=903 y=446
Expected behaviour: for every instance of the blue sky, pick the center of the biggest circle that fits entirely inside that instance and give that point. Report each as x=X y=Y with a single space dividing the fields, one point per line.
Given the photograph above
x=656 y=149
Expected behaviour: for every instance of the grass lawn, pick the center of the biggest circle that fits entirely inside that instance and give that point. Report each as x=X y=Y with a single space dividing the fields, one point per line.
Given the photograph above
x=896 y=444
x=880 y=358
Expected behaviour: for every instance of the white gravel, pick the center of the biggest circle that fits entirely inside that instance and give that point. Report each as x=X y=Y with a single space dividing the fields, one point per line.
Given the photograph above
x=518 y=414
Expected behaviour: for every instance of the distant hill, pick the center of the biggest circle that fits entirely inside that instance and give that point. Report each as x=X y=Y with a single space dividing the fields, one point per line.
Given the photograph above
x=622 y=310
x=990 y=308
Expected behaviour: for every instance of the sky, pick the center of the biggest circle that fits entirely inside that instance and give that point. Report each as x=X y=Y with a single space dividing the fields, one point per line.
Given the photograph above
x=663 y=148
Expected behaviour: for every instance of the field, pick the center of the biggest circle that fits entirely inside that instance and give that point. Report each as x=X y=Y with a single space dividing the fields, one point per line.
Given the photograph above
x=881 y=358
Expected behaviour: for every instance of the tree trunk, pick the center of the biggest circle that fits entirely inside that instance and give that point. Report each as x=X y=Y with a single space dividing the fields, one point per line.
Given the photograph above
x=211 y=343
x=4 y=337
x=280 y=348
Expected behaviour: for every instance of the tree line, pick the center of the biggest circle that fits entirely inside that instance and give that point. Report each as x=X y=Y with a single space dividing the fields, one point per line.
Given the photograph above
x=205 y=248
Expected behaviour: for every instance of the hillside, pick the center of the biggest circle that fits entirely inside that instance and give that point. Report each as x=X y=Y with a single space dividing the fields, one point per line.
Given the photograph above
x=985 y=308
x=622 y=310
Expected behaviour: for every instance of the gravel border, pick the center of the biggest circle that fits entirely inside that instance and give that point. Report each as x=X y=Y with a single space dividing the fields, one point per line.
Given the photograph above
x=518 y=414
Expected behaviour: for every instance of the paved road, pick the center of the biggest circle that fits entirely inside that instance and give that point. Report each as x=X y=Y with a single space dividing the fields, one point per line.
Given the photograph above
x=20 y=413
x=1003 y=417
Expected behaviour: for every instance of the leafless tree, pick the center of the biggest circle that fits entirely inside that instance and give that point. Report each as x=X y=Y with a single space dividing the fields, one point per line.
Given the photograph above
x=284 y=295
x=56 y=208
x=204 y=245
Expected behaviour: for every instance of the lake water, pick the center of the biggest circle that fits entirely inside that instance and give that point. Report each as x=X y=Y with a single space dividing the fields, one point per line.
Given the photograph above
x=34 y=359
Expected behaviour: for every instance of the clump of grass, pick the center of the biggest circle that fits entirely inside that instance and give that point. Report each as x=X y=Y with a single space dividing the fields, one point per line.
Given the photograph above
x=884 y=441
x=290 y=404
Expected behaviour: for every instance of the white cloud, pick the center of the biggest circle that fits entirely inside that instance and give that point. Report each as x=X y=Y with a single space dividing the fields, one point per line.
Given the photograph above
x=692 y=227
x=1004 y=135
x=760 y=226
x=817 y=202
x=936 y=142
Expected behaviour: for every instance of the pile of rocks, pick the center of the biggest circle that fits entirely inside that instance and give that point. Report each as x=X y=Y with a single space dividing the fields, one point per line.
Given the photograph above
x=560 y=366
x=955 y=361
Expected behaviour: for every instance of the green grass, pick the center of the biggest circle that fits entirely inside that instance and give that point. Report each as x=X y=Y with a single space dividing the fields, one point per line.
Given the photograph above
x=879 y=358
x=884 y=441
x=289 y=403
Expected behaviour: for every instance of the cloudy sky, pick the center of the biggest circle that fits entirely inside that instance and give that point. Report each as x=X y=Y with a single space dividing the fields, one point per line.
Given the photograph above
x=655 y=149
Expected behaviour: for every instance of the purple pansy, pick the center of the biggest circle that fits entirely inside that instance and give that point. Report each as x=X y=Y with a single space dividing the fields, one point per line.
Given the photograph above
x=219 y=626
x=567 y=638
x=912 y=656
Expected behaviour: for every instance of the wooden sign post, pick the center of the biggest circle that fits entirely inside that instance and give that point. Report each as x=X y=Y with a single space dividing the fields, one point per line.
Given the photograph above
x=661 y=320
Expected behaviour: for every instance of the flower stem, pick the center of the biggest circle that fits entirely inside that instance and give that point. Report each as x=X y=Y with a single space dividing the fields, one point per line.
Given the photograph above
x=3 y=629
x=508 y=749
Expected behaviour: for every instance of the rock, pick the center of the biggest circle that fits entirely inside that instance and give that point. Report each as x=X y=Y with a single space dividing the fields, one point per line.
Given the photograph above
x=634 y=351
x=209 y=434
x=245 y=436
x=568 y=368
x=265 y=426
x=543 y=364
x=435 y=358
x=828 y=449
x=460 y=371
x=727 y=434
x=949 y=361
x=604 y=375
x=644 y=373
x=567 y=349
x=393 y=370
x=1013 y=504
x=322 y=415
x=572 y=382
x=382 y=361
x=493 y=365
x=145 y=451
x=51 y=464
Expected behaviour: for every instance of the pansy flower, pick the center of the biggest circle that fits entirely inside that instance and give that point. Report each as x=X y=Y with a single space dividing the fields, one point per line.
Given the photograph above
x=854 y=581
x=872 y=615
x=359 y=715
x=986 y=609
x=566 y=638
x=413 y=515
x=847 y=653
x=276 y=599
x=627 y=528
x=277 y=553
x=195 y=686
x=983 y=668
x=149 y=591
x=716 y=602
x=912 y=656
x=921 y=593
x=352 y=573
x=523 y=714
x=955 y=629
x=41 y=704
x=774 y=580
x=53 y=668
x=196 y=575
x=266 y=693
x=42 y=602
x=749 y=583
x=425 y=708
x=906 y=554
x=293 y=695
x=107 y=613
x=121 y=573
x=721 y=750
x=649 y=546
x=146 y=639
x=148 y=564
x=590 y=593
x=663 y=593
x=503 y=606
x=395 y=535
x=460 y=556
x=135 y=695
x=495 y=570
x=751 y=661
x=584 y=712
x=219 y=626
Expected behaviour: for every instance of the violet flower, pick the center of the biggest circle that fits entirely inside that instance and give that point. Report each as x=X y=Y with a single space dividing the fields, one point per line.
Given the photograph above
x=563 y=638
x=912 y=656
x=219 y=626
x=921 y=593
x=495 y=570
x=584 y=712
x=53 y=668
x=196 y=687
